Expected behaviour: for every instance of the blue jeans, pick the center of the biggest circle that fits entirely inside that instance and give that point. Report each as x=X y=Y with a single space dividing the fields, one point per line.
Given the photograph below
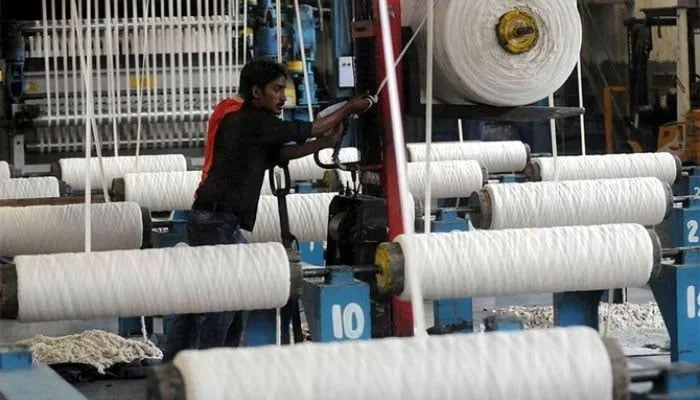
x=203 y=331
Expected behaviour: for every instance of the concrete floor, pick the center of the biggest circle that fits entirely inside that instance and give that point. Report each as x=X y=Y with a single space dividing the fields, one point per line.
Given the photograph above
x=135 y=389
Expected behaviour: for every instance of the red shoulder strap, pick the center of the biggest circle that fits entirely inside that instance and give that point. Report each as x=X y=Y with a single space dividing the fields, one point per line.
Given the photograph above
x=223 y=108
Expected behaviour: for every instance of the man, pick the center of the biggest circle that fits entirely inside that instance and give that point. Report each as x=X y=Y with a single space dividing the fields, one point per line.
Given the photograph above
x=245 y=144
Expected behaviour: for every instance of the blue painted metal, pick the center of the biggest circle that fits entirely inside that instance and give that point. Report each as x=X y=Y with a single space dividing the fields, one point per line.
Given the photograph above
x=36 y=383
x=312 y=253
x=508 y=178
x=15 y=358
x=689 y=186
x=342 y=40
x=452 y=315
x=577 y=308
x=683 y=227
x=338 y=309
x=261 y=328
x=502 y=323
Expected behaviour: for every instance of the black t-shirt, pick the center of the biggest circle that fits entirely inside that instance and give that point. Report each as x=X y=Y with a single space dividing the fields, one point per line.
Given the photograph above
x=247 y=143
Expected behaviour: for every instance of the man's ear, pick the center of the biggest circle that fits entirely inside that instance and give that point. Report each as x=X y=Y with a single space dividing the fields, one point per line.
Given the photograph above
x=257 y=92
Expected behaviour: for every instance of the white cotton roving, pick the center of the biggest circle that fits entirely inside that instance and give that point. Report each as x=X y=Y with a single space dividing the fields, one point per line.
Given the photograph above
x=660 y=165
x=525 y=261
x=496 y=157
x=560 y=363
x=162 y=191
x=448 y=178
x=152 y=282
x=29 y=188
x=4 y=170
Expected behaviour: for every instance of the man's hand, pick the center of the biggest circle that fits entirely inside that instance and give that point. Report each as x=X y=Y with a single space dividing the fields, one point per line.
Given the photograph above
x=333 y=136
x=362 y=103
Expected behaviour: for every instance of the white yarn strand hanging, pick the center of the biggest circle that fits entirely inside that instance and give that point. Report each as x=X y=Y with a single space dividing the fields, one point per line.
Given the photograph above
x=496 y=157
x=523 y=261
x=559 y=363
x=5 y=170
x=471 y=65
x=73 y=169
x=308 y=218
x=305 y=168
x=57 y=229
x=152 y=282
x=448 y=178
x=607 y=201
x=661 y=165
x=162 y=191
x=29 y=188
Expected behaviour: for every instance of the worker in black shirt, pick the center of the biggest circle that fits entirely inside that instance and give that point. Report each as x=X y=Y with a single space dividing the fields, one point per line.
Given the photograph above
x=245 y=144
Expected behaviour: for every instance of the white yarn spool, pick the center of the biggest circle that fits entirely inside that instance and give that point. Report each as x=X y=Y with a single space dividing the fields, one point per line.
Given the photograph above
x=305 y=168
x=470 y=64
x=162 y=191
x=29 y=188
x=660 y=165
x=607 y=201
x=560 y=363
x=519 y=261
x=152 y=282
x=4 y=170
x=496 y=157
x=448 y=178
x=57 y=229
x=308 y=218
x=73 y=169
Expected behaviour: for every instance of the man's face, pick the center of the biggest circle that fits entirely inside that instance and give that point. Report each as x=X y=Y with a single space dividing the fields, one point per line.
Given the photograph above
x=272 y=98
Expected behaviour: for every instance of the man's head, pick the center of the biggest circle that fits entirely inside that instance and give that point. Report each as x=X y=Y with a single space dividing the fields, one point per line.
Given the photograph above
x=262 y=84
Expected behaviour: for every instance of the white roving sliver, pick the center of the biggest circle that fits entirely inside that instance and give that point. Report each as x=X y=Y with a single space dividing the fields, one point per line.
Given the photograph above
x=592 y=202
x=162 y=191
x=496 y=157
x=448 y=178
x=73 y=170
x=29 y=188
x=524 y=261
x=305 y=168
x=308 y=218
x=4 y=170
x=470 y=64
x=58 y=229
x=152 y=282
x=661 y=165
x=560 y=363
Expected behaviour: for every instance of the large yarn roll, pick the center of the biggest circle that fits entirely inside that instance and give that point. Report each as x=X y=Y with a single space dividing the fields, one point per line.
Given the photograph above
x=57 y=229
x=607 y=201
x=152 y=282
x=448 y=178
x=305 y=168
x=472 y=66
x=162 y=191
x=73 y=170
x=4 y=170
x=520 y=261
x=660 y=165
x=559 y=363
x=308 y=218
x=29 y=188
x=496 y=157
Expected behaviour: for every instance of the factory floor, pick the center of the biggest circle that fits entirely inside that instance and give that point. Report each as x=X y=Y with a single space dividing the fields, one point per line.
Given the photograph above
x=135 y=389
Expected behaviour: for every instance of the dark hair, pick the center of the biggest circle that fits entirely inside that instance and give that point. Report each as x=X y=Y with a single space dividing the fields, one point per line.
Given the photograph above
x=258 y=73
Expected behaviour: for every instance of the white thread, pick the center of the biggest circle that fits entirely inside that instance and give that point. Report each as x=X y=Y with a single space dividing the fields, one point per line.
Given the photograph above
x=162 y=191
x=518 y=261
x=5 y=170
x=561 y=363
x=470 y=64
x=661 y=165
x=152 y=281
x=448 y=178
x=305 y=168
x=29 y=188
x=496 y=157
x=591 y=202
x=73 y=169
x=57 y=229
x=308 y=218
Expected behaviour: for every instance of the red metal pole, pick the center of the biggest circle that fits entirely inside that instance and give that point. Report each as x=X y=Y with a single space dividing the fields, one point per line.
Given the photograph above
x=402 y=316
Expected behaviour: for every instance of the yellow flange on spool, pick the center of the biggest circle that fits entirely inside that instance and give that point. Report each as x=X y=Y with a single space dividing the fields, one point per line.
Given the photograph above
x=295 y=66
x=517 y=31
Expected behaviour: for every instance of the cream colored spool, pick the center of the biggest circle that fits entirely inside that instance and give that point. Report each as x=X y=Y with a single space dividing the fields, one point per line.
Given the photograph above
x=660 y=165
x=4 y=170
x=496 y=157
x=29 y=188
x=643 y=201
x=162 y=191
x=520 y=261
x=448 y=178
x=560 y=363
x=305 y=168
x=73 y=170
x=152 y=282
x=308 y=218
x=58 y=229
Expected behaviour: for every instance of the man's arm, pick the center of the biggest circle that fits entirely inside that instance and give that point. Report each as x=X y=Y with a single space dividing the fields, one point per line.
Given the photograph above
x=301 y=150
x=355 y=105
